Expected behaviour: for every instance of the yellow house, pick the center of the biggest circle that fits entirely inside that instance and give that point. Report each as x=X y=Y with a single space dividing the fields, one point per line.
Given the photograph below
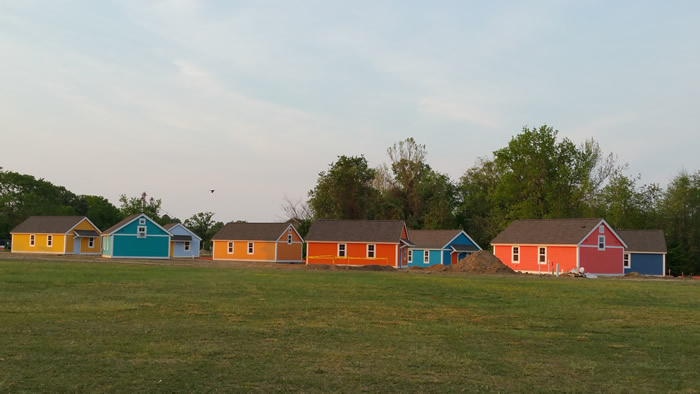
x=270 y=242
x=56 y=235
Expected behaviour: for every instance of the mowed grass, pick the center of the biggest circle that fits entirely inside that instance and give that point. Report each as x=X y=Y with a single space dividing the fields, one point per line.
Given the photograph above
x=116 y=327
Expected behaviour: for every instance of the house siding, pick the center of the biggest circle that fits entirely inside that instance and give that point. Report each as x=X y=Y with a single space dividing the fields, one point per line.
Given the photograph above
x=124 y=243
x=356 y=254
x=646 y=264
x=607 y=262
x=178 y=247
x=20 y=243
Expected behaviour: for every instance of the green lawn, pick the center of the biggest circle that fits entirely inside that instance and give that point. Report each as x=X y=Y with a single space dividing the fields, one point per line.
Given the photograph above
x=116 y=327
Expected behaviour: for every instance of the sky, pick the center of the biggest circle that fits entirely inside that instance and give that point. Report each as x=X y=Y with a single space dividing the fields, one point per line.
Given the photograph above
x=254 y=98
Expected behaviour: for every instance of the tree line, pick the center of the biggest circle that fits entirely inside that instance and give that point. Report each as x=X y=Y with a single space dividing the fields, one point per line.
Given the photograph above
x=22 y=196
x=536 y=176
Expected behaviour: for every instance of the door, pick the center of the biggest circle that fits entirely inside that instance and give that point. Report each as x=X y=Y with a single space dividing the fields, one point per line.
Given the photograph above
x=76 y=245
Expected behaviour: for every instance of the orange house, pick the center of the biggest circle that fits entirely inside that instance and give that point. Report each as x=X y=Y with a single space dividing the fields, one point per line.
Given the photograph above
x=265 y=242
x=358 y=242
x=543 y=245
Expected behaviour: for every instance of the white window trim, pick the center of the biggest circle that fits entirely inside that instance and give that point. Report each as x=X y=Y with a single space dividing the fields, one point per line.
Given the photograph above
x=374 y=251
x=539 y=254
x=601 y=237
x=229 y=250
x=410 y=256
x=426 y=256
x=142 y=221
x=187 y=246
x=32 y=240
x=345 y=250
x=91 y=242
x=139 y=232
x=289 y=237
x=49 y=240
x=251 y=247
x=601 y=229
x=628 y=265
x=513 y=254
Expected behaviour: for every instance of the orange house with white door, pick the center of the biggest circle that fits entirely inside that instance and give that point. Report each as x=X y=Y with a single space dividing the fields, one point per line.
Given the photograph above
x=358 y=242
x=542 y=245
x=263 y=242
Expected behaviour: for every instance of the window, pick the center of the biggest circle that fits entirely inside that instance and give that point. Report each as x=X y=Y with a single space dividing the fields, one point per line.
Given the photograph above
x=601 y=229
x=141 y=232
x=601 y=242
x=91 y=242
x=32 y=240
x=341 y=250
x=187 y=246
x=230 y=248
x=289 y=239
x=142 y=221
x=370 y=251
x=516 y=254
x=426 y=256
x=626 y=261
x=49 y=240
x=543 y=255
x=250 y=248
x=410 y=256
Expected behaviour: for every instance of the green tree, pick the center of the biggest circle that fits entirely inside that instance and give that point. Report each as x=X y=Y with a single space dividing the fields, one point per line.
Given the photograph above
x=135 y=205
x=345 y=191
x=476 y=212
x=681 y=213
x=408 y=166
x=101 y=212
x=202 y=224
x=438 y=199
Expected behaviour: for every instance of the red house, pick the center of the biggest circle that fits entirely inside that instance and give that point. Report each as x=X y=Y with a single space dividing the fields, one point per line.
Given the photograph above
x=358 y=242
x=537 y=246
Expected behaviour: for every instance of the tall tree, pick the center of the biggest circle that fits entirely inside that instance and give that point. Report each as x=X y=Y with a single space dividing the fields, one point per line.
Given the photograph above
x=408 y=165
x=202 y=224
x=681 y=213
x=345 y=191
x=143 y=204
x=476 y=212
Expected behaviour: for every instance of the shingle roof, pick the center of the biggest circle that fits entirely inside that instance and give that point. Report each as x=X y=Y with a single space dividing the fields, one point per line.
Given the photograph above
x=121 y=223
x=432 y=238
x=48 y=224
x=546 y=231
x=356 y=230
x=170 y=225
x=86 y=233
x=644 y=240
x=250 y=232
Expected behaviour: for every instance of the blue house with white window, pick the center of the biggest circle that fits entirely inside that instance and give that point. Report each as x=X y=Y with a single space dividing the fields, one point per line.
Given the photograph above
x=444 y=247
x=183 y=243
x=137 y=237
x=645 y=253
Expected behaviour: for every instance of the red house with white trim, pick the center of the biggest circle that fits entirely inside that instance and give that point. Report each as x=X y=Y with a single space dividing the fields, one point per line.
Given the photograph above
x=358 y=242
x=537 y=246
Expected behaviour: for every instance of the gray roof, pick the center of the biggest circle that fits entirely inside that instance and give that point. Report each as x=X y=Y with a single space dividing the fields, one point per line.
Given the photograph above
x=546 y=231
x=170 y=225
x=250 y=232
x=644 y=240
x=86 y=233
x=434 y=239
x=181 y=237
x=465 y=248
x=121 y=223
x=356 y=230
x=48 y=224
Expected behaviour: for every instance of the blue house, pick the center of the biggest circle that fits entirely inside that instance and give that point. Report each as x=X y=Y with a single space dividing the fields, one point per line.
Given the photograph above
x=137 y=236
x=183 y=243
x=645 y=253
x=439 y=247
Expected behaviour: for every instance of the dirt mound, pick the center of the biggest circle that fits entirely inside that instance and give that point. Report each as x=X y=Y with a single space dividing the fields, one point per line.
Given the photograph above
x=481 y=262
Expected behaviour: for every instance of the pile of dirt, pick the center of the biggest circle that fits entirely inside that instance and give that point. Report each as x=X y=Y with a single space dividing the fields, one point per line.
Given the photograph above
x=481 y=262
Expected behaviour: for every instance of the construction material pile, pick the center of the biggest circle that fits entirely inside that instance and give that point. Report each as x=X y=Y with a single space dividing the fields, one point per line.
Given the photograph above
x=481 y=262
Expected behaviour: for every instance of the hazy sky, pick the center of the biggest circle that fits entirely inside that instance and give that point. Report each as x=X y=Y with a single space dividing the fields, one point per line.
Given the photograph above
x=255 y=98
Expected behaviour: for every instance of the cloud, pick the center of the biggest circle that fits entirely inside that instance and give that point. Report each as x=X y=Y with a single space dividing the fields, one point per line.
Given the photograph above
x=456 y=109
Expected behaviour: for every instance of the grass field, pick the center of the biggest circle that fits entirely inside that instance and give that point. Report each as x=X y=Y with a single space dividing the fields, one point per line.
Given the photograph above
x=117 y=327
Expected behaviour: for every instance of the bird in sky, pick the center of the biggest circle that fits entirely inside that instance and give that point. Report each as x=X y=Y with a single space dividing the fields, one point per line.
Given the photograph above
x=211 y=190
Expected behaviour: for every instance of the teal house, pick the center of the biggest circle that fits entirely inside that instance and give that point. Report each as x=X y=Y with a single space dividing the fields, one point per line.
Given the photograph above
x=445 y=247
x=136 y=237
